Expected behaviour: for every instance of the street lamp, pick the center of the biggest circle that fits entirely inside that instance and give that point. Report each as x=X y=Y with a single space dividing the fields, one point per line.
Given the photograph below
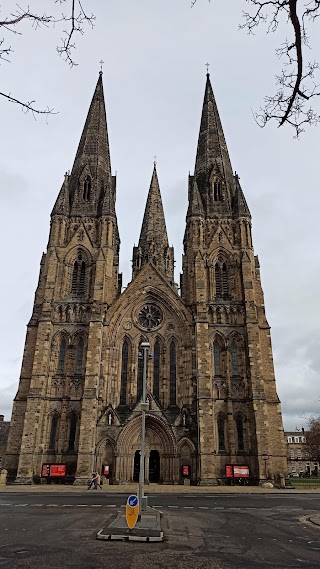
x=143 y=503
x=265 y=457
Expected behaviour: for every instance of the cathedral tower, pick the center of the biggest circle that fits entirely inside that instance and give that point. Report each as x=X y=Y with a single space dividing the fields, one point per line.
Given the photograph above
x=78 y=282
x=238 y=410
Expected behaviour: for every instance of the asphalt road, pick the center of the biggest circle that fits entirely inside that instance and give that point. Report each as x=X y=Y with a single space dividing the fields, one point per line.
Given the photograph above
x=202 y=532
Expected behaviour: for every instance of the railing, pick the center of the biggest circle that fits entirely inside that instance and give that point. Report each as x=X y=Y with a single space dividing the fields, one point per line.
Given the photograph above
x=305 y=481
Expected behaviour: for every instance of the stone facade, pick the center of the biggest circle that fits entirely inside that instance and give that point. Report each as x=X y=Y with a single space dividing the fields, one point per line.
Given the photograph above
x=4 y=431
x=211 y=385
x=300 y=463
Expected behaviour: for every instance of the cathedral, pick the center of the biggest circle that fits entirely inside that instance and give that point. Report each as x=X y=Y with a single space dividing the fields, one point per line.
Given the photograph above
x=212 y=403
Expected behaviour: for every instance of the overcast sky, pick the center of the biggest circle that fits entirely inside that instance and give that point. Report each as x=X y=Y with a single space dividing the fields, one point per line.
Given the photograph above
x=154 y=77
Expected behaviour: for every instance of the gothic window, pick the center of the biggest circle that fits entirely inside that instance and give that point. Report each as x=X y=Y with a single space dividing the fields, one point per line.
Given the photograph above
x=173 y=372
x=156 y=370
x=53 y=431
x=62 y=356
x=124 y=372
x=217 y=278
x=87 y=189
x=79 y=356
x=224 y=279
x=234 y=358
x=216 y=358
x=221 y=279
x=239 y=427
x=140 y=374
x=78 y=280
x=217 y=191
x=221 y=428
x=73 y=421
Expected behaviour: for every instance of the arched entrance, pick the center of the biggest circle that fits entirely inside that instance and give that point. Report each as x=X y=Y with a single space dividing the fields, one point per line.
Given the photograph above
x=161 y=462
x=105 y=457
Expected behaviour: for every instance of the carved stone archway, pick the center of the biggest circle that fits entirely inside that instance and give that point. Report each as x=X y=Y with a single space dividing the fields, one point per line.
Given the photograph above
x=159 y=438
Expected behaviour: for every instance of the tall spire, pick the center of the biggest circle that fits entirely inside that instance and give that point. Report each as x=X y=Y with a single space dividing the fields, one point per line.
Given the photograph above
x=153 y=242
x=90 y=177
x=212 y=161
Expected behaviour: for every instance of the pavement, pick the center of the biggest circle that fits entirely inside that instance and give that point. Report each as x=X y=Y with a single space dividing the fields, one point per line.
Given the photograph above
x=154 y=489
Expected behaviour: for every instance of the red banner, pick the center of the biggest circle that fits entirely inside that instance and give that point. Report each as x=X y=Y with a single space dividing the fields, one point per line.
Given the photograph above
x=241 y=471
x=106 y=470
x=54 y=470
x=185 y=470
x=229 y=470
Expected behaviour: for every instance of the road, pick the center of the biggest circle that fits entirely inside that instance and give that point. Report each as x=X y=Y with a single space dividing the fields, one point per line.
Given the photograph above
x=202 y=531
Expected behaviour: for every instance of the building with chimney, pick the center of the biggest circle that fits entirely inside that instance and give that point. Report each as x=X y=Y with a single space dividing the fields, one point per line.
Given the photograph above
x=210 y=383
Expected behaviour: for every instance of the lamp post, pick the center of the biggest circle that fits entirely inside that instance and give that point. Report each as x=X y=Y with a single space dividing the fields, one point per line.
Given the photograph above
x=265 y=457
x=145 y=347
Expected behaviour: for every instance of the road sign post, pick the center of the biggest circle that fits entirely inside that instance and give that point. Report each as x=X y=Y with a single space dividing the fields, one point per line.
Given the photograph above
x=132 y=510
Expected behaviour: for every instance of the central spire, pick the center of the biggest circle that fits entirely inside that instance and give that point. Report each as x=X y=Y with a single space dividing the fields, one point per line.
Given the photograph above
x=213 y=170
x=153 y=244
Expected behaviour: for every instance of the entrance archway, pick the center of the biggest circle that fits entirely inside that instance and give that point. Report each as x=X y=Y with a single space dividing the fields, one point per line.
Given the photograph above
x=161 y=462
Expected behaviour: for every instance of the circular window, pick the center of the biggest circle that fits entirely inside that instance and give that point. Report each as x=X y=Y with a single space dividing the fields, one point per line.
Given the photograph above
x=150 y=316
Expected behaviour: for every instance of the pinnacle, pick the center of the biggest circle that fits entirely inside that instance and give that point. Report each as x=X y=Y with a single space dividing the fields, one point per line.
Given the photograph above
x=212 y=153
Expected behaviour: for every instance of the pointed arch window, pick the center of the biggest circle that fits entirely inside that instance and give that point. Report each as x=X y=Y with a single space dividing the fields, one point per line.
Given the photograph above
x=79 y=356
x=53 y=431
x=62 y=356
x=140 y=374
x=217 y=278
x=78 y=280
x=240 y=432
x=221 y=279
x=221 y=432
x=73 y=421
x=124 y=372
x=173 y=372
x=224 y=279
x=217 y=358
x=217 y=191
x=234 y=358
x=87 y=189
x=156 y=370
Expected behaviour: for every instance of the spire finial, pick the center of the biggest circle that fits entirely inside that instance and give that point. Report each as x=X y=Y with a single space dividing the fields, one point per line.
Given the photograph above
x=207 y=66
x=101 y=64
x=154 y=161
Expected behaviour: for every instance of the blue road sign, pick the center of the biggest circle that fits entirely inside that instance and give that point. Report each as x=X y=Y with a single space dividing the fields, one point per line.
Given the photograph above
x=132 y=501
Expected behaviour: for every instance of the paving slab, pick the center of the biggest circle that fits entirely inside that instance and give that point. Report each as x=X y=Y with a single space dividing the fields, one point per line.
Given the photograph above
x=148 y=528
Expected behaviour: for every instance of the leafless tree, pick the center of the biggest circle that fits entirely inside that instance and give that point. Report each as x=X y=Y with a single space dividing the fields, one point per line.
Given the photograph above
x=294 y=100
x=313 y=438
x=72 y=21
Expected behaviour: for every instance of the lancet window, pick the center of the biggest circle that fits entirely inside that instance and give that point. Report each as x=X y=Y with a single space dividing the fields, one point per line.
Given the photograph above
x=221 y=279
x=53 y=431
x=73 y=421
x=124 y=372
x=217 y=358
x=173 y=372
x=62 y=356
x=234 y=358
x=79 y=356
x=78 y=276
x=221 y=432
x=156 y=370
x=87 y=189
x=240 y=431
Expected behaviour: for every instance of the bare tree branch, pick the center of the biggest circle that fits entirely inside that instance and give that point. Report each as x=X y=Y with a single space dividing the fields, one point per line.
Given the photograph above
x=75 y=21
x=297 y=89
